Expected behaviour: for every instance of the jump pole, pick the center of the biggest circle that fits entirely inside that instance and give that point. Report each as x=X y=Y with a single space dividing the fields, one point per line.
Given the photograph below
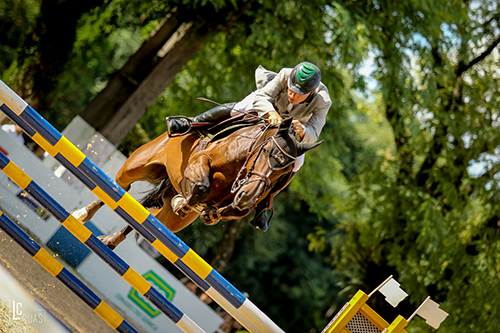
x=56 y=269
x=169 y=245
x=84 y=235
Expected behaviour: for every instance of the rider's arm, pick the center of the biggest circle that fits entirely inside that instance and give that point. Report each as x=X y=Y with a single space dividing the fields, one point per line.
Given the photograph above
x=265 y=98
x=315 y=124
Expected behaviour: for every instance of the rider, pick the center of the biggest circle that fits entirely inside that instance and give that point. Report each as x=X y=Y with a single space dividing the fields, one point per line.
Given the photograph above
x=294 y=92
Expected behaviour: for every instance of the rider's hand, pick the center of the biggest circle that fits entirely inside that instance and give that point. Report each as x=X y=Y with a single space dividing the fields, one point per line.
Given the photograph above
x=298 y=128
x=274 y=117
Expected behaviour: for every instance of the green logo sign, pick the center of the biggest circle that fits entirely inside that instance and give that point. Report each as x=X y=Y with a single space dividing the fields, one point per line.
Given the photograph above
x=157 y=283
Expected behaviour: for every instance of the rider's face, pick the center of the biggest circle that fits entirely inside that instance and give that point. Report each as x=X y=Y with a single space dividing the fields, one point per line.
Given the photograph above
x=295 y=98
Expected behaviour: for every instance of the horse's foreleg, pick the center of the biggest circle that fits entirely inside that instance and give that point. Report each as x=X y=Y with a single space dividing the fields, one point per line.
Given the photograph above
x=194 y=187
x=211 y=216
x=196 y=183
x=84 y=214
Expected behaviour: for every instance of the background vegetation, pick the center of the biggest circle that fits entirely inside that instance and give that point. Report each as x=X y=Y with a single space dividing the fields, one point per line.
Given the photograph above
x=406 y=183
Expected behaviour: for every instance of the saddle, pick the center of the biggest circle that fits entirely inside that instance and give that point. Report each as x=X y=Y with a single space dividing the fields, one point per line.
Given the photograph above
x=210 y=132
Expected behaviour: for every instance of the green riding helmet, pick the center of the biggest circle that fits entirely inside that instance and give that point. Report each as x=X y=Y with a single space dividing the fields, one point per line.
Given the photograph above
x=305 y=77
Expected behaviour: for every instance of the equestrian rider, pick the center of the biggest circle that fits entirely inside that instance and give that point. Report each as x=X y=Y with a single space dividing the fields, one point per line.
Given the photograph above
x=293 y=92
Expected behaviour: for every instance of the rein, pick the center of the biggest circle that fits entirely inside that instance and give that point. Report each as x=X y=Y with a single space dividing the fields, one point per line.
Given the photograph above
x=239 y=182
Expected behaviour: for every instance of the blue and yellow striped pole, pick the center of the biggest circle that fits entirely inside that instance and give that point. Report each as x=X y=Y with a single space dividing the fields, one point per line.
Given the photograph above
x=85 y=236
x=169 y=245
x=55 y=268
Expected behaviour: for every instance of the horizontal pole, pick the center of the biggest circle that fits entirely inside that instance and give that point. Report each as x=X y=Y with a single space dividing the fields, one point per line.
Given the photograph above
x=84 y=235
x=56 y=269
x=169 y=245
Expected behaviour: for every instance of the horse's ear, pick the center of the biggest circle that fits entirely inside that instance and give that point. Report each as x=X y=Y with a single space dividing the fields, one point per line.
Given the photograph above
x=303 y=147
x=285 y=125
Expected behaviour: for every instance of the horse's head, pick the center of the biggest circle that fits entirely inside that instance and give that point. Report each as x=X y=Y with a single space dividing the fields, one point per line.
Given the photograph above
x=267 y=162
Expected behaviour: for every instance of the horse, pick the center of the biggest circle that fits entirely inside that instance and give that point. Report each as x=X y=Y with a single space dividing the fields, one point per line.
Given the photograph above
x=221 y=179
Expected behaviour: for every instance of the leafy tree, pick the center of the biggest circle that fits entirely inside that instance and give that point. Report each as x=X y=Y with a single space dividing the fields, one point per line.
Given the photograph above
x=418 y=210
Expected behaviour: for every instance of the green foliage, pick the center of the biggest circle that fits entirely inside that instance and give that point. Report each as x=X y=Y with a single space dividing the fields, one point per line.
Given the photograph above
x=17 y=18
x=406 y=182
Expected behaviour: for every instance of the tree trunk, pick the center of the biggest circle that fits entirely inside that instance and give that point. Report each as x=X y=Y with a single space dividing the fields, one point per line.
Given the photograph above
x=53 y=40
x=116 y=110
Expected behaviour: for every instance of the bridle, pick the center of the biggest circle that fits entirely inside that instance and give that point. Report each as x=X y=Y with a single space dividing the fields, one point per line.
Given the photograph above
x=250 y=171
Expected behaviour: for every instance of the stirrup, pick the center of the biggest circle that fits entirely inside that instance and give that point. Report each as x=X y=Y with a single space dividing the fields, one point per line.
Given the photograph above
x=188 y=121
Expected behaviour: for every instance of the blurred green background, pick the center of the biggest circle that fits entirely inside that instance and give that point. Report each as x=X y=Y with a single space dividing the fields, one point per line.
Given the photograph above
x=405 y=184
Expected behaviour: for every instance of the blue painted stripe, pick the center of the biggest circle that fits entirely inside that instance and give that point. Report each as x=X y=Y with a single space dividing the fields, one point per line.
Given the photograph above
x=125 y=327
x=39 y=124
x=227 y=290
x=47 y=201
x=80 y=289
x=192 y=275
x=22 y=238
x=75 y=171
x=168 y=309
x=167 y=237
x=19 y=121
x=108 y=185
x=107 y=255
x=65 y=276
x=136 y=225
x=4 y=160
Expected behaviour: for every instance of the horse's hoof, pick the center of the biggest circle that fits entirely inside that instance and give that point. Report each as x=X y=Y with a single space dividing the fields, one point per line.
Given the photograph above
x=80 y=214
x=200 y=192
x=209 y=216
x=179 y=203
x=113 y=240
x=86 y=213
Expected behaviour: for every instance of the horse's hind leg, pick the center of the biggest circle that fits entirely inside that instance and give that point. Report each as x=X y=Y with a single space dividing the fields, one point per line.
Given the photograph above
x=113 y=240
x=84 y=214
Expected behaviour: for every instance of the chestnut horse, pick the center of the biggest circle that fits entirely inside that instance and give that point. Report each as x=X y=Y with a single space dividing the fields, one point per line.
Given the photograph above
x=225 y=180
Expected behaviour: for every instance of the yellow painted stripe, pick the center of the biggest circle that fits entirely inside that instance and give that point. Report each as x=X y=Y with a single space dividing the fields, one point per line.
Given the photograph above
x=108 y=314
x=1 y=213
x=48 y=262
x=105 y=198
x=77 y=229
x=133 y=208
x=135 y=280
x=197 y=264
x=17 y=175
x=165 y=251
x=69 y=151
x=44 y=144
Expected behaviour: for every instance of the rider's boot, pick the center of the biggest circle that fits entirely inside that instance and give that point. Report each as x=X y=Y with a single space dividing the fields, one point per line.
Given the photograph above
x=218 y=113
x=179 y=125
x=261 y=221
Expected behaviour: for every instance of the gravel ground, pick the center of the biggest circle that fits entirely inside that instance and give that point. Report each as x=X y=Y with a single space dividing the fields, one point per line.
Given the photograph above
x=47 y=290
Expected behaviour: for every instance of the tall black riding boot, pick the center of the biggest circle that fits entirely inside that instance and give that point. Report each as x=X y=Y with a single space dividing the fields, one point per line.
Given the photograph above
x=261 y=221
x=218 y=113
x=179 y=125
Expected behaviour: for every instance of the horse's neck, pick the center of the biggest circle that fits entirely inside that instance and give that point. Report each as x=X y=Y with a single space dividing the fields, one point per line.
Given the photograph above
x=235 y=148
x=252 y=137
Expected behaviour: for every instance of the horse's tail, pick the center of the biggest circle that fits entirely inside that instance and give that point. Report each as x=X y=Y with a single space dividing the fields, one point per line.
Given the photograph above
x=154 y=198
